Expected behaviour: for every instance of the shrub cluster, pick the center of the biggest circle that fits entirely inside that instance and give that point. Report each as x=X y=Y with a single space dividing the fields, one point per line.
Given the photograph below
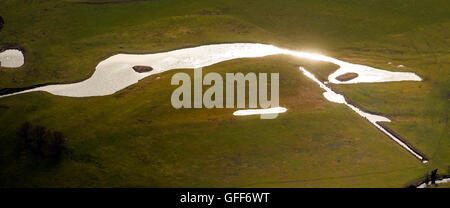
x=41 y=141
x=2 y=22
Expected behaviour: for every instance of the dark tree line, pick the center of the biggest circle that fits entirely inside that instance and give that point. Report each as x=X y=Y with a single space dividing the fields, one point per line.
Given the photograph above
x=41 y=141
x=2 y=22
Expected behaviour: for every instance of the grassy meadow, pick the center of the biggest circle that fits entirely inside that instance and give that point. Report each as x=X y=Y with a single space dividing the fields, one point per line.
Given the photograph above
x=135 y=138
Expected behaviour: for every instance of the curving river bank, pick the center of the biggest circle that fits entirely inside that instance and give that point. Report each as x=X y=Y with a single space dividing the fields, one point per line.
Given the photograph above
x=116 y=73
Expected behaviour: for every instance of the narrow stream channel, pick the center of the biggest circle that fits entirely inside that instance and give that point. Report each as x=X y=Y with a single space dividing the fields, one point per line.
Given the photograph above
x=373 y=119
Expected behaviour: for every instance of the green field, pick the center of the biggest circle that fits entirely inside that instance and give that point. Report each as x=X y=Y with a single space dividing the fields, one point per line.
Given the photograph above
x=135 y=138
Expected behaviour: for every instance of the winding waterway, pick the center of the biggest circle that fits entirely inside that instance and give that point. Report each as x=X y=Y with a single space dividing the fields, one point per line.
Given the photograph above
x=116 y=73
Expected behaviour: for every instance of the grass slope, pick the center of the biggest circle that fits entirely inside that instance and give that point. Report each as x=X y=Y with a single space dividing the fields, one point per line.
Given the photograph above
x=135 y=138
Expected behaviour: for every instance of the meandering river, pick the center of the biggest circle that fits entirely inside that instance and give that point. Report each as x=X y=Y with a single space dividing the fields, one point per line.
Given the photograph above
x=116 y=73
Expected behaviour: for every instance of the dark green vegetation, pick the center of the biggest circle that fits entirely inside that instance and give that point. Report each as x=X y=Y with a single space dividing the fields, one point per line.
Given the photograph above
x=40 y=141
x=2 y=22
x=135 y=137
